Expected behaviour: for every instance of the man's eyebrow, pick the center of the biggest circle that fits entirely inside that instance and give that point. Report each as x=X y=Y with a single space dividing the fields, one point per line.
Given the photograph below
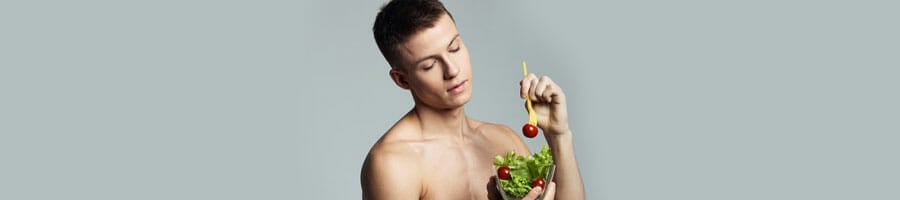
x=451 y=40
x=435 y=55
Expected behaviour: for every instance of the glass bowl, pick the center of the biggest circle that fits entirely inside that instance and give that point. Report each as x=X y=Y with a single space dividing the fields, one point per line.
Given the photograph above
x=547 y=181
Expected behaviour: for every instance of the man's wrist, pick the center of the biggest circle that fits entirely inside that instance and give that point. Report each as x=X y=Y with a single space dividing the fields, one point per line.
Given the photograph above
x=561 y=136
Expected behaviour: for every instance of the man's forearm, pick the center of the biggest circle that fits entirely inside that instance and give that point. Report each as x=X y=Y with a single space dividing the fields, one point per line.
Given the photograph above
x=568 y=178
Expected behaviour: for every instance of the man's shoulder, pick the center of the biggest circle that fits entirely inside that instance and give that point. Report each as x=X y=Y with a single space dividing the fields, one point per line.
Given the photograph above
x=395 y=150
x=496 y=130
x=496 y=127
x=504 y=136
x=392 y=169
x=396 y=147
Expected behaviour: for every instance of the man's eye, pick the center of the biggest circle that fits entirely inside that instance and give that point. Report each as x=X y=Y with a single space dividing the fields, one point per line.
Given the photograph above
x=455 y=49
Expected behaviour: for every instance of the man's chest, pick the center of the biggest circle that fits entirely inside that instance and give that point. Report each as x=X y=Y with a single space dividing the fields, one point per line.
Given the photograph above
x=460 y=173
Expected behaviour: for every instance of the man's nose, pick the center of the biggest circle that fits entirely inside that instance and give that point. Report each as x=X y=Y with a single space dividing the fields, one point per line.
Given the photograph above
x=452 y=69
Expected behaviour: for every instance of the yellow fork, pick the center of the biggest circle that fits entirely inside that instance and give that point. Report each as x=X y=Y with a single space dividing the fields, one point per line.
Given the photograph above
x=532 y=118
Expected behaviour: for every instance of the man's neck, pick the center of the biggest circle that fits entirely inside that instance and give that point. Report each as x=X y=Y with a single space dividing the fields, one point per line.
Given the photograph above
x=441 y=122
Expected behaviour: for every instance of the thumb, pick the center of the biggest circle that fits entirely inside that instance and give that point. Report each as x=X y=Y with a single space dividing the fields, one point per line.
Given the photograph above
x=551 y=191
x=534 y=194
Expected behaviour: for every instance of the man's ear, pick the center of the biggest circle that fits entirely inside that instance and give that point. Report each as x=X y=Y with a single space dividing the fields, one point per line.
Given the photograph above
x=399 y=77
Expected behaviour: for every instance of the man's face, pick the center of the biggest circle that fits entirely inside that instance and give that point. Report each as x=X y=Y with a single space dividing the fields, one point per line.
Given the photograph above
x=436 y=66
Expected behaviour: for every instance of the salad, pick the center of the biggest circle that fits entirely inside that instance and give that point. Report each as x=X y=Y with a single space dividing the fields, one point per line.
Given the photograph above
x=518 y=174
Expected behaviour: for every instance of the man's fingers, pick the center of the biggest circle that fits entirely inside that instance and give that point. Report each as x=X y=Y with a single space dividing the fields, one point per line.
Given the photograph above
x=532 y=86
x=545 y=90
x=527 y=84
x=547 y=95
x=550 y=194
x=522 y=89
x=533 y=92
x=534 y=194
x=540 y=90
x=541 y=86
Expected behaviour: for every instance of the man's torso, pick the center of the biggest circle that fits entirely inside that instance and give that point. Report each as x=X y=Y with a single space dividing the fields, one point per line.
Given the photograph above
x=456 y=167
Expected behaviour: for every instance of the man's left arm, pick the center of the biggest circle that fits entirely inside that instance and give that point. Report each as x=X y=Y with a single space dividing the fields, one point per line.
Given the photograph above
x=549 y=103
x=568 y=179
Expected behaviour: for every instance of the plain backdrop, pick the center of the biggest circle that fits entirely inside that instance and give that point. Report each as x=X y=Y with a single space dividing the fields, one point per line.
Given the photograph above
x=194 y=99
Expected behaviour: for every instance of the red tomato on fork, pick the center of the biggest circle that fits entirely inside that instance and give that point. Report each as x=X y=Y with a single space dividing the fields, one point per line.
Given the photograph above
x=530 y=131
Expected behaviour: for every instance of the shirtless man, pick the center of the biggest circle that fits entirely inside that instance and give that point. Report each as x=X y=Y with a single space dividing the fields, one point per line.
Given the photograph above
x=435 y=151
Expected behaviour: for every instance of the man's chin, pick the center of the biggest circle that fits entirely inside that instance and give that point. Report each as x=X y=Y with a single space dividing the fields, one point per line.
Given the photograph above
x=463 y=99
x=457 y=103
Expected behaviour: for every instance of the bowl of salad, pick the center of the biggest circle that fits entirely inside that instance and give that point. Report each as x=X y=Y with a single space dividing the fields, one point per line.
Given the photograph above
x=517 y=174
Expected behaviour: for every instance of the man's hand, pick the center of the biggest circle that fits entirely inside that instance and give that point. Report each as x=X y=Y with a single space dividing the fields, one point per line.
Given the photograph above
x=549 y=103
x=536 y=192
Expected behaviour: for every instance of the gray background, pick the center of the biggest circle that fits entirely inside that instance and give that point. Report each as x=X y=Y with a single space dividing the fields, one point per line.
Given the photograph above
x=690 y=99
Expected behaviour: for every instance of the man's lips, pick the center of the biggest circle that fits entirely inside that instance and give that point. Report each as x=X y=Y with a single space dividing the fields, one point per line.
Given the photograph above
x=457 y=86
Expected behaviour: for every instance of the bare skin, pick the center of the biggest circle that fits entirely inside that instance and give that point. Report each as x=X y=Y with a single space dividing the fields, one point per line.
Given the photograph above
x=458 y=166
x=437 y=152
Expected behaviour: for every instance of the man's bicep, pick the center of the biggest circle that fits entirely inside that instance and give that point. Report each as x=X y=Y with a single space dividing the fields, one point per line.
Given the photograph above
x=389 y=177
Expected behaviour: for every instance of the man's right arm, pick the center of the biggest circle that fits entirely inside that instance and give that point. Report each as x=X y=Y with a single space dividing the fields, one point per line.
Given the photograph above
x=390 y=176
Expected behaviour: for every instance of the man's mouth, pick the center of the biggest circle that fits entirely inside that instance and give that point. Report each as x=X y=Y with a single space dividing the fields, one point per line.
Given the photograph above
x=458 y=87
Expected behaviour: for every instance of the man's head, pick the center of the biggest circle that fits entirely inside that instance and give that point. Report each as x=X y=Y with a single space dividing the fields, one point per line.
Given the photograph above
x=400 y=19
x=420 y=41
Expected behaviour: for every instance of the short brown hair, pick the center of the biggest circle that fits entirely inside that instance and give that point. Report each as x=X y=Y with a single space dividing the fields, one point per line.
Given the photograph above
x=400 y=19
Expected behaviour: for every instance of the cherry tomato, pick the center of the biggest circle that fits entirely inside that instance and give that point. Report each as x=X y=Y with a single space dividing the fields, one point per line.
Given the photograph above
x=530 y=131
x=538 y=182
x=503 y=173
